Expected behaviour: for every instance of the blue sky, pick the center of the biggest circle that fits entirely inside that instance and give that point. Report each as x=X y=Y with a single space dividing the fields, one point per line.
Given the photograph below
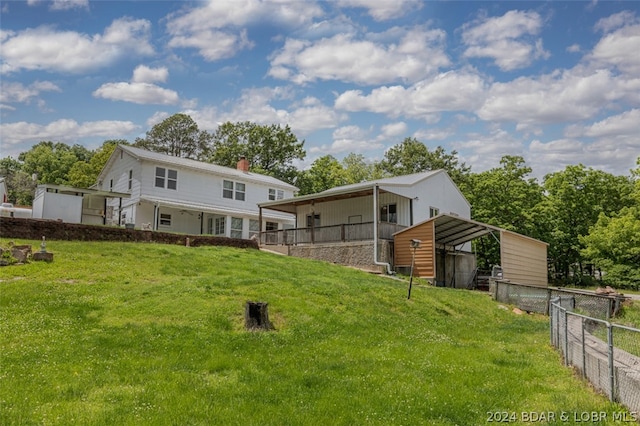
x=555 y=82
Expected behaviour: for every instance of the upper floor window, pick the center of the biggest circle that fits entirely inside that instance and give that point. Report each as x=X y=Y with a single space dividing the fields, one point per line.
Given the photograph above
x=434 y=211
x=276 y=194
x=130 y=179
x=166 y=178
x=230 y=188
x=389 y=213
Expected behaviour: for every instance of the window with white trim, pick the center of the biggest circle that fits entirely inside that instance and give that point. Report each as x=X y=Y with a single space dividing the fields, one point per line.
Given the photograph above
x=229 y=188
x=172 y=179
x=240 y=191
x=219 y=226
x=434 y=211
x=236 y=227
x=389 y=213
x=276 y=194
x=165 y=219
x=130 y=180
x=166 y=178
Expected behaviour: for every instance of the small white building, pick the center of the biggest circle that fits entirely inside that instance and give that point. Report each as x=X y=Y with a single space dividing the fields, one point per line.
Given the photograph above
x=176 y=194
x=3 y=190
x=72 y=205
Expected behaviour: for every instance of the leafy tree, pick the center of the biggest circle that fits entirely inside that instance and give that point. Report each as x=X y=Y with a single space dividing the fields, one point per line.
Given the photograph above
x=20 y=185
x=269 y=149
x=178 y=136
x=613 y=243
x=84 y=174
x=356 y=169
x=412 y=156
x=326 y=172
x=575 y=199
x=505 y=197
x=51 y=162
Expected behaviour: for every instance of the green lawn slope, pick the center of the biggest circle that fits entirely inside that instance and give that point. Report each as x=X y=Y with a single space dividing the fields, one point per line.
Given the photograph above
x=146 y=334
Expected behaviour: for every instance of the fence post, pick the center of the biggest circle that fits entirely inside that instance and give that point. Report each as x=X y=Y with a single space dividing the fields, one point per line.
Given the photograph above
x=584 y=352
x=611 y=363
x=566 y=338
x=551 y=314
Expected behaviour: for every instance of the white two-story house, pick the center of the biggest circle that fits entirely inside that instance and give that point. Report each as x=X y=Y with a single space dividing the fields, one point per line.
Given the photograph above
x=181 y=195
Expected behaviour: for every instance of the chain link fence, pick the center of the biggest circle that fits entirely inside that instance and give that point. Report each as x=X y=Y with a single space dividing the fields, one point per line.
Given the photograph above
x=537 y=299
x=606 y=354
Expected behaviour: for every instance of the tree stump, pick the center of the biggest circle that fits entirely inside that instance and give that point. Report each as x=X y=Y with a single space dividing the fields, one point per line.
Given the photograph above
x=256 y=316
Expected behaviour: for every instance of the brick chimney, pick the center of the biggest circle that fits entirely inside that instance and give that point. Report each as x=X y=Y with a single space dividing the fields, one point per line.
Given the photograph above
x=243 y=164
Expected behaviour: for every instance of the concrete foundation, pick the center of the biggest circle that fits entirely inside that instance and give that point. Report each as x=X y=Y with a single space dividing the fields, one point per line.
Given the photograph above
x=357 y=254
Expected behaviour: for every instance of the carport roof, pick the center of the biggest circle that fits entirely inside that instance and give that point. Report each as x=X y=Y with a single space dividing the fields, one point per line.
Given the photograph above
x=453 y=230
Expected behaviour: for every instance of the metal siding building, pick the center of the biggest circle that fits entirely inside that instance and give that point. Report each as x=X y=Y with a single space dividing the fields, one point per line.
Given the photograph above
x=439 y=257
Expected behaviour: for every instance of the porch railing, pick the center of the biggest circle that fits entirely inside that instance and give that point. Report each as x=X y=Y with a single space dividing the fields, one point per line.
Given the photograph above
x=329 y=234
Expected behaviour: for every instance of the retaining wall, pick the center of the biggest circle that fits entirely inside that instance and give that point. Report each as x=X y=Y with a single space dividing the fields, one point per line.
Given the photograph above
x=35 y=229
x=358 y=254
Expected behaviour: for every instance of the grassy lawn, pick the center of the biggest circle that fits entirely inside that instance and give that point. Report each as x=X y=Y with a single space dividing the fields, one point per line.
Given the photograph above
x=131 y=334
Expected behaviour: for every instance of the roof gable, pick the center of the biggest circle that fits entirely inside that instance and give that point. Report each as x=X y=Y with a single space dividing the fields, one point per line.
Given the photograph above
x=213 y=169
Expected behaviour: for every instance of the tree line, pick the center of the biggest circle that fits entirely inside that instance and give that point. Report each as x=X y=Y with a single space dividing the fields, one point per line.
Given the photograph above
x=590 y=218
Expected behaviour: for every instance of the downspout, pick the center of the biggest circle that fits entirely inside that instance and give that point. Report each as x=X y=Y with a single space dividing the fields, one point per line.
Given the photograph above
x=375 y=231
x=155 y=217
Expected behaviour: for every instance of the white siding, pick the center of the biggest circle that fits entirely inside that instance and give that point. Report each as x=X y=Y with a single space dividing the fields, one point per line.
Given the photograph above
x=67 y=208
x=437 y=191
x=339 y=211
x=194 y=187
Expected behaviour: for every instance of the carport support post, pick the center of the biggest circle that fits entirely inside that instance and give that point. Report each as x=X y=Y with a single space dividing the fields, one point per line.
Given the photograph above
x=413 y=261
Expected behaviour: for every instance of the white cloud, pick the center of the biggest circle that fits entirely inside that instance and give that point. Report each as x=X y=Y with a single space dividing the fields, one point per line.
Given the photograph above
x=394 y=130
x=619 y=49
x=64 y=130
x=484 y=150
x=16 y=92
x=215 y=29
x=382 y=10
x=348 y=139
x=625 y=124
x=451 y=91
x=144 y=74
x=138 y=93
x=552 y=98
x=45 y=48
x=574 y=48
x=433 y=134
x=61 y=4
x=506 y=39
x=238 y=13
x=69 y=4
x=156 y=118
x=213 y=45
x=258 y=105
x=548 y=157
x=410 y=57
x=617 y=20
x=140 y=90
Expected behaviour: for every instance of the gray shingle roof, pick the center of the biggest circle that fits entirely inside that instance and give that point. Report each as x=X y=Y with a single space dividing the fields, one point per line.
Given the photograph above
x=204 y=167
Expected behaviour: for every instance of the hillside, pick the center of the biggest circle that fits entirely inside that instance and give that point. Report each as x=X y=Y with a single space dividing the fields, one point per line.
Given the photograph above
x=124 y=333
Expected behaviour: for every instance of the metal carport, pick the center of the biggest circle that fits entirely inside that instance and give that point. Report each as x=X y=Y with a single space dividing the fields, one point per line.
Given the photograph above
x=523 y=259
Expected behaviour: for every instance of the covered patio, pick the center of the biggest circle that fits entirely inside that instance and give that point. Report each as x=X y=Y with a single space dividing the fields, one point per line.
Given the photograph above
x=351 y=227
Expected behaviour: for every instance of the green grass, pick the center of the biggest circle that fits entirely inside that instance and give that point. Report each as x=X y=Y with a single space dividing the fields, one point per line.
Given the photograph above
x=135 y=334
